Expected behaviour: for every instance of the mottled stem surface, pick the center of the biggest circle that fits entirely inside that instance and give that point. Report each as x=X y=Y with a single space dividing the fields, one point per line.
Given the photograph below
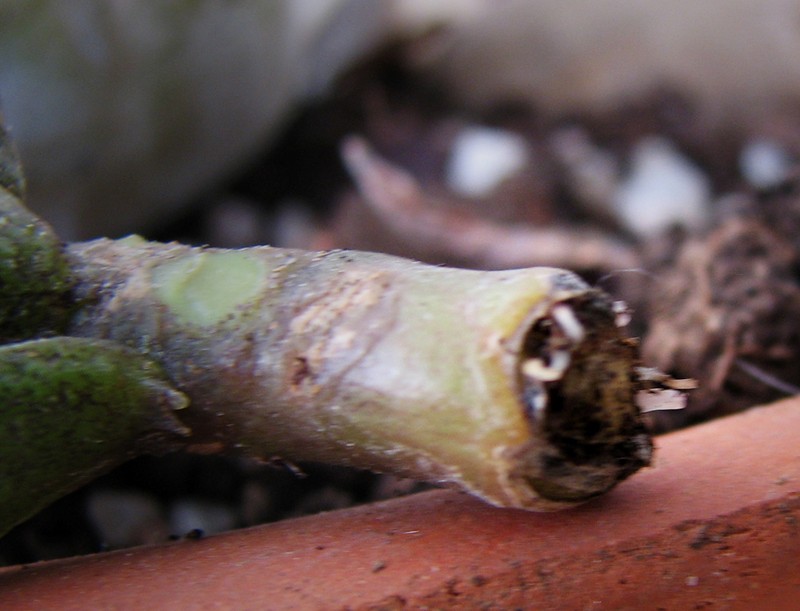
x=515 y=385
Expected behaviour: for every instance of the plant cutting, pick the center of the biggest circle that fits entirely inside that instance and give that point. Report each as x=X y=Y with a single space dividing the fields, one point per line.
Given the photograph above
x=518 y=386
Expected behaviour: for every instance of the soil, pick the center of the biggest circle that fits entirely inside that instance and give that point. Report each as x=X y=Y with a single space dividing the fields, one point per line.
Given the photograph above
x=716 y=301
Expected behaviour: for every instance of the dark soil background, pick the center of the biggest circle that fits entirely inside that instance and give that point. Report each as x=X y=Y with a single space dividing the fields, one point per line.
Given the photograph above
x=716 y=301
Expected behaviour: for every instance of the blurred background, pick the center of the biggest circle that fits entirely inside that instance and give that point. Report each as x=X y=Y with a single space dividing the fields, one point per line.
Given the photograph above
x=651 y=147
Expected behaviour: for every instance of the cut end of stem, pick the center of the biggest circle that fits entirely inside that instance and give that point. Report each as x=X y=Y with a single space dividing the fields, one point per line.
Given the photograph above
x=578 y=380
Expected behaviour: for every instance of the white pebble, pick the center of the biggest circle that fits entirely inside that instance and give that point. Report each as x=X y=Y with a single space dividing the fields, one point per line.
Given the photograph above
x=124 y=518
x=664 y=189
x=185 y=516
x=482 y=158
x=764 y=163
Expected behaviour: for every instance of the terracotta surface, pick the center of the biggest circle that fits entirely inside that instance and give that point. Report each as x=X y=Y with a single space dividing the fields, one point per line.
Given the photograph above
x=715 y=525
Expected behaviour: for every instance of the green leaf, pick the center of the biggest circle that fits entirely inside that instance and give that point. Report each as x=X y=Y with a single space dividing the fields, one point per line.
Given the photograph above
x=35 y=280
x=72 y=409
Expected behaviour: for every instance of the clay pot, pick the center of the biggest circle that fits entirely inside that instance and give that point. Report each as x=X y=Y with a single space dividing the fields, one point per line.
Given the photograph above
x=713 y=525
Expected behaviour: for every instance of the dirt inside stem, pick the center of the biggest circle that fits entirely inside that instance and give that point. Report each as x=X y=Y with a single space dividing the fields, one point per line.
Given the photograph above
x=578 y=381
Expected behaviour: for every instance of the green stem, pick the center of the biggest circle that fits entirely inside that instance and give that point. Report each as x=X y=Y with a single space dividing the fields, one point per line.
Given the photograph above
x=516 y=385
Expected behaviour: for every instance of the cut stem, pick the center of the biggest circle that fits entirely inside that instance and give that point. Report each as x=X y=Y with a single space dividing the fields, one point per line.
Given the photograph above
x=517 y=386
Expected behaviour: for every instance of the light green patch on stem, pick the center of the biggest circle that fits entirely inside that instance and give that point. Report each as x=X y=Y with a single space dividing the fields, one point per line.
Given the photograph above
x=206 y=287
